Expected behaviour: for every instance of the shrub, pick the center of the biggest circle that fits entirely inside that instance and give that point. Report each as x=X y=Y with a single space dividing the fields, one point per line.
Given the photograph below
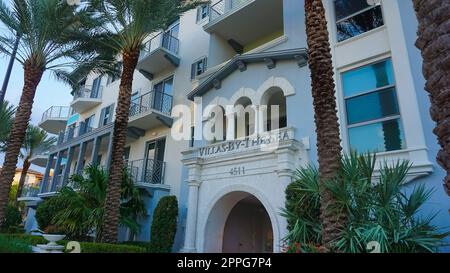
x=27 y=238
x=164 y=225
x=13 y=245
x=377 y=210
x=12 y=219
x=109 y=248
x=45 y=213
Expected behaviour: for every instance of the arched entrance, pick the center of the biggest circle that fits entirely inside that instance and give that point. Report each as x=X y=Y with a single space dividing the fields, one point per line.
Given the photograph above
x=248 y=228
x=239 y=223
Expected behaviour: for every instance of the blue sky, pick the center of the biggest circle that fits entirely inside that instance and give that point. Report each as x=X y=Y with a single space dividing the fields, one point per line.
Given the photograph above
x=50 y=92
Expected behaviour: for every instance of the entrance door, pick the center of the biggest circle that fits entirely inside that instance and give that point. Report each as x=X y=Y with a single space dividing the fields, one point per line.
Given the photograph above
x=154 y=161
x=248 y=228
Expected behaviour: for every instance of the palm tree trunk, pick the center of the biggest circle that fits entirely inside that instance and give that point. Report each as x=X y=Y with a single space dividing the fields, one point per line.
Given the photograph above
x=434 y=42
x=32 y=77
x=23 y=175
x=112 y=202
x=327 y=126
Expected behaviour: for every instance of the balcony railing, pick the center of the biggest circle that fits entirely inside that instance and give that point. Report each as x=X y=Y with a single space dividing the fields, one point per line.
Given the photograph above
x=88 y=92
x=30 y=191
x=155 y=100
x=147 y=171
x=59 y=112
x=223 y=6
x=163 y=40
x=73 y=132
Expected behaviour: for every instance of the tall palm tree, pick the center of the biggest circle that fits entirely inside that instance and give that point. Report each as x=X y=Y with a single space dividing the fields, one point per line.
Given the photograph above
x=36 y=141
x=434 y=42
x=127 y=24
x=49 y=30
x=326 y=119
x=6 y=119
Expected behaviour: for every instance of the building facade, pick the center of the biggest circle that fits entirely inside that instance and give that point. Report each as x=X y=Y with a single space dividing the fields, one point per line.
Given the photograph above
x=251 y=54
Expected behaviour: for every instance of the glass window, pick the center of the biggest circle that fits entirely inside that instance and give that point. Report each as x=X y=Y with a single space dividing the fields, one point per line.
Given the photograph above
x=373 y=114
x=198 y=68
x=202 y=12
x=354 y=17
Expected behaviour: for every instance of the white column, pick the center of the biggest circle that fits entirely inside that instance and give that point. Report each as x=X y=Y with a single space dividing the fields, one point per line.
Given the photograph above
x=261 y=117
x=191 y=221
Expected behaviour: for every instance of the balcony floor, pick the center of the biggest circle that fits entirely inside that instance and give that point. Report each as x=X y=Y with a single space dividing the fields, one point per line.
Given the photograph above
x=149 y=120
x=249 y=22
x=53 y=125
x=81 y=105
x=157 y=61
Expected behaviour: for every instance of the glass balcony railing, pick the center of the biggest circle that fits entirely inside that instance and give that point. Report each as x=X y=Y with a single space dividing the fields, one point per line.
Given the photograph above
x=147 y=171
x=58 y=112
x=155 y=100
x=223 y=6
x=30 y=191
x=73 y=132
x=163 y=40
x=89 y=92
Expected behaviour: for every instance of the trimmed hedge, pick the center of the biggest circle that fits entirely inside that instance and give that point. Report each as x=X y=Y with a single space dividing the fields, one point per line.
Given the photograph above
x=86 y=247
x=164 y=225
x=13 y=245
x=12 y=219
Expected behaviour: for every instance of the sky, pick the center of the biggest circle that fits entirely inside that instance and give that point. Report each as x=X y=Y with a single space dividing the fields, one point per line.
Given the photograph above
x=50 y=92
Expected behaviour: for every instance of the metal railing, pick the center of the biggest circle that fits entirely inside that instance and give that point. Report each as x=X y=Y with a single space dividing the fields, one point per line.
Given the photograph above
x=30 y=191
x=224 y=6
x=56 y=112
x=163 y=40
x=147 y=171
x=87 y=92
x=73 y=132
x=155 y=100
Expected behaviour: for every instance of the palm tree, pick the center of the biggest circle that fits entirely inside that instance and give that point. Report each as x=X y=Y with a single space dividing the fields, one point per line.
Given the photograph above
x=434 y=42
x=36 y=141
x=127 y=24
x=49 y=31
x=326 y=119
x=6 y=119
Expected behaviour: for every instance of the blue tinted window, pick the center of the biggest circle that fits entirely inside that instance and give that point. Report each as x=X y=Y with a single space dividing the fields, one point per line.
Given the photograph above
x=359 y=23
x=372 y=106
x=377 y=137
x=368 y=78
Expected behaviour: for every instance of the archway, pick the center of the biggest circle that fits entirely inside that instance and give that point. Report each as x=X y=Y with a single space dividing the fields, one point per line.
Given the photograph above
x=274 y=97
x=248 y=228
x=239 y=223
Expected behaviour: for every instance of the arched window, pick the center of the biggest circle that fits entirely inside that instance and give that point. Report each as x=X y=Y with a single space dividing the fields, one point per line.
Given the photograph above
x=276 y=109
x=245 y=118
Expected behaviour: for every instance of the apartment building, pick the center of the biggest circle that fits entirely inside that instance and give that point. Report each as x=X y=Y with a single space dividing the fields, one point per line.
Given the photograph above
x=251 y=53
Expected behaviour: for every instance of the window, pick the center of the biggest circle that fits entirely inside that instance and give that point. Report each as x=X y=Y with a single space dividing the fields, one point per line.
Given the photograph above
x=106 y=115
x=373 y=114
x=202 y=12
x=88 y=124
x=198 y=68
x=162 y=100
x=96 y=88
x=354 y=17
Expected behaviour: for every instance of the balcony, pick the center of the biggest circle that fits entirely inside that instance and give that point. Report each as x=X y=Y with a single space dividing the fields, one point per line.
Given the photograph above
x=87 y=98
x=147 y=172
x=40 y=158
x=55 y=119
x=151 y=110
x=29 y=193
x=244 y=22
x=160 y=53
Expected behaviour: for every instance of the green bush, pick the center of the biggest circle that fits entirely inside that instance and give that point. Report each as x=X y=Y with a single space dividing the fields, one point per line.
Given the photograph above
x=13 y=245
x=46 y=212
x=86 y=247
x=12 y=219
x=109 y=248
x=145 y=245
x=164 y=225
x=376 y=209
